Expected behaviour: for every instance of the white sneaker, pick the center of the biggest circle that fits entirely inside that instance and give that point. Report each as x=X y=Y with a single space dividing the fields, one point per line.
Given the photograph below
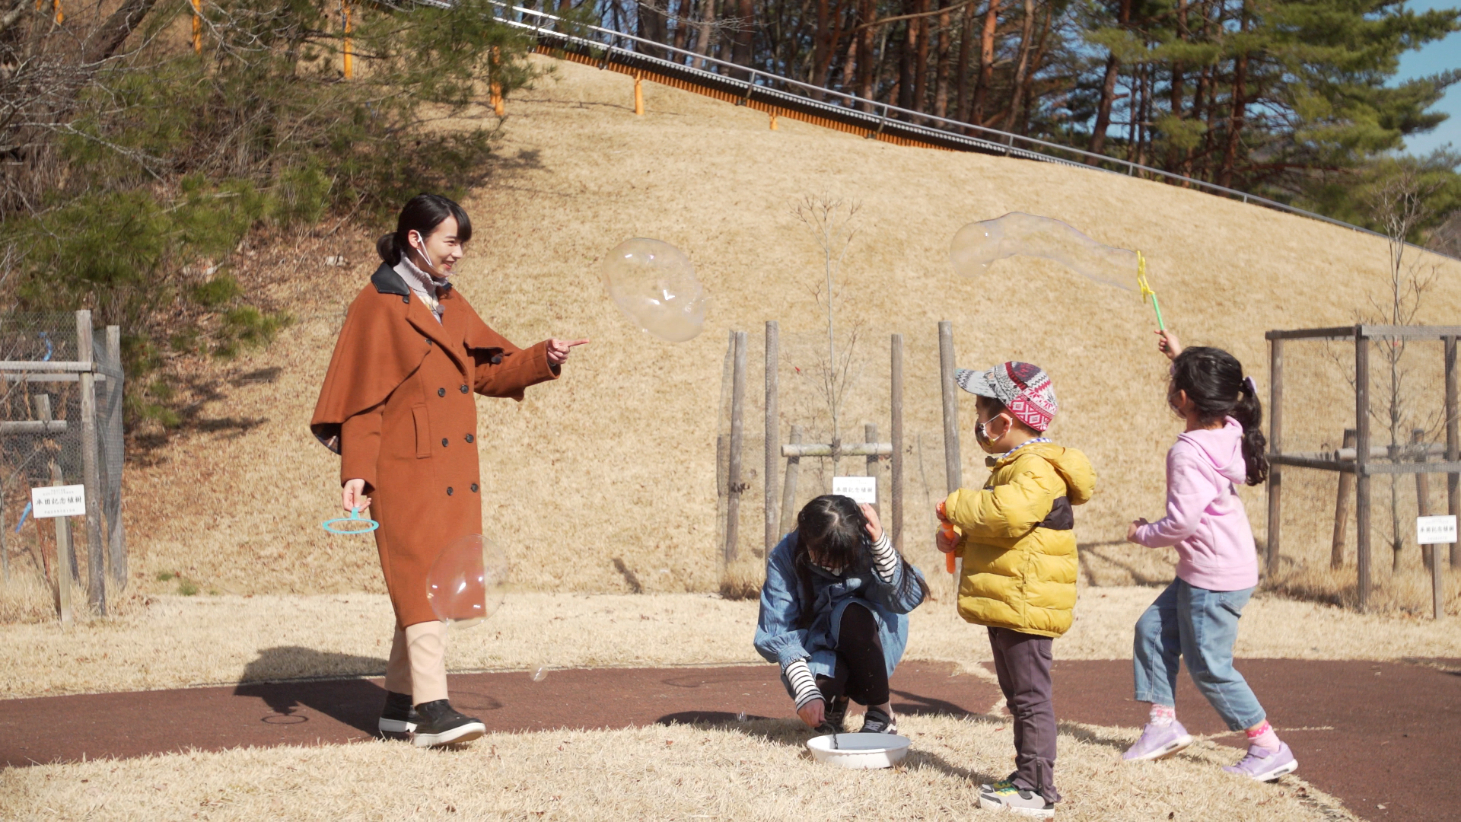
x=1006 y=797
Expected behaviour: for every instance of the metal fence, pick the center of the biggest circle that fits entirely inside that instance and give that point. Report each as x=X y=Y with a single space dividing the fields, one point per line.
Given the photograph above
x=61 y=398
x=876 y=119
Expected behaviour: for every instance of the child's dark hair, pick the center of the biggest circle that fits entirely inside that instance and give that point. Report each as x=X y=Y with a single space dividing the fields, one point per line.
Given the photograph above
x=422 y=213
x=1214 y=382
x=832 y=529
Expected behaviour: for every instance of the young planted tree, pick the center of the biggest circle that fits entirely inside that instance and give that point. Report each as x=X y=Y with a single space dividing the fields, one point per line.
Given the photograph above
x=829 y=221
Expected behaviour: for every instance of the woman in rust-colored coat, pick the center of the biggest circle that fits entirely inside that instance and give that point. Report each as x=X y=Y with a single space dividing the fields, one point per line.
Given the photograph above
x=397 y=405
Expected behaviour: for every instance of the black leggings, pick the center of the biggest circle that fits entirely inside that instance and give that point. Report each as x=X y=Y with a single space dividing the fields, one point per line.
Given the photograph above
x=861 y=673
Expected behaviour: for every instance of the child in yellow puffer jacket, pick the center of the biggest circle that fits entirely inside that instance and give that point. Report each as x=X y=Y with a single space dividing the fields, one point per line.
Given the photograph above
x=1016 y=536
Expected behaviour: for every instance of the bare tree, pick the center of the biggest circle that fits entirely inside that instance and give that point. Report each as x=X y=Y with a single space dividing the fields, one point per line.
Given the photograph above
x=830 y=223
x=1400 y=207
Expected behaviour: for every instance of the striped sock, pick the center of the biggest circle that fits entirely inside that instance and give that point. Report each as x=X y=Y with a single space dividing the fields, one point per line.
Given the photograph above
x=1264 y=737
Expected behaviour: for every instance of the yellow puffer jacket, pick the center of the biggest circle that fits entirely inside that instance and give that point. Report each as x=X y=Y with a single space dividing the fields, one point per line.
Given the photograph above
x=1018 y=541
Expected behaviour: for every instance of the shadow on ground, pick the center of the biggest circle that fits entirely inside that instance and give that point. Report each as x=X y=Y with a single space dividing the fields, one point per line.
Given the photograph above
x=355 y=702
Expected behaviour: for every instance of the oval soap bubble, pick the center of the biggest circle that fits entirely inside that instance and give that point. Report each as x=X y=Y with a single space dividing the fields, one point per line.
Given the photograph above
x=976 y=245
x=654 y=284
x=465 y=583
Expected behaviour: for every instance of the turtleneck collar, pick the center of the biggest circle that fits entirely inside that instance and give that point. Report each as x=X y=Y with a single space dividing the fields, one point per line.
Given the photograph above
x=425 y=286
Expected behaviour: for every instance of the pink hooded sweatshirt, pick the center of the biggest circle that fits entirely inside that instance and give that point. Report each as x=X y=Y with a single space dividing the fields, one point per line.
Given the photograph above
x=1205 y=518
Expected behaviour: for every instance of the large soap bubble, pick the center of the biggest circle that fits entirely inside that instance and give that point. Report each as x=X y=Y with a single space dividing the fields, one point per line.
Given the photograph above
x=654 y=284
x=466 y=581
x=976 y=245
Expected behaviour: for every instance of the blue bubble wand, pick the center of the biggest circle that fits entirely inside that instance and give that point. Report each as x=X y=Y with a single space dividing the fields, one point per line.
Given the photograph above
x=354 y=519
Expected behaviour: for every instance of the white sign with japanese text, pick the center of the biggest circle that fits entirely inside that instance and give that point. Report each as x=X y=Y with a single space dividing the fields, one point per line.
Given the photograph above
x=861 y=489
x=58 y=501
x=1435 y=530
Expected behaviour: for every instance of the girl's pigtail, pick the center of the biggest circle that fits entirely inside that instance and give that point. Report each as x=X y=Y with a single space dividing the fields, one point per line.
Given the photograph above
x=1249 y=413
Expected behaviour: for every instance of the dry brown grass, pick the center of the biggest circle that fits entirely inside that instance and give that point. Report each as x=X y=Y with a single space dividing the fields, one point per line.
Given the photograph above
x=756 y=770
x=177 y=642
x=616 y=460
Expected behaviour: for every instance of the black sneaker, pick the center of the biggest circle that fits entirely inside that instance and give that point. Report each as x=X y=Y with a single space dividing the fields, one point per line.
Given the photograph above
x=398 y=719
x=440 y=725
x=876 y=721
x=835 y=717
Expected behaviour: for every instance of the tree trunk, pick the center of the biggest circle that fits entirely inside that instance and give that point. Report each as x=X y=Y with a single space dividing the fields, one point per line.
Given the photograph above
x=1235 y=119
x=1027 y=30
x=920 y=59
x=741 y=48
x=1108 y=89
x=110 y=35
x=866 y=57
x=1035 y=63
x=986 y=61
x=966 y=43
x=905 y=59
x=707 y=29
x=941 y=80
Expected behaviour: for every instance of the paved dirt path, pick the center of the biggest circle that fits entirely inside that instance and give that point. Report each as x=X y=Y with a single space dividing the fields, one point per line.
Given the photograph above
x=1382 y=736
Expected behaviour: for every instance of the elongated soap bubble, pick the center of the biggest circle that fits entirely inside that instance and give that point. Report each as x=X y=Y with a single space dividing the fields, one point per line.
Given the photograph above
x=654 y=284
x=465 y=583
x=976 y=245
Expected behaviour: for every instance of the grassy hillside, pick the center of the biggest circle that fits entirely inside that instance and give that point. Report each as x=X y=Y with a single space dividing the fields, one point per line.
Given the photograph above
x=616 y=461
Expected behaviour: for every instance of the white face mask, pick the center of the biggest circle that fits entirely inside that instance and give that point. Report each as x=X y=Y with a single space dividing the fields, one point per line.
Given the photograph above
x=430 y=266
x=981 y=432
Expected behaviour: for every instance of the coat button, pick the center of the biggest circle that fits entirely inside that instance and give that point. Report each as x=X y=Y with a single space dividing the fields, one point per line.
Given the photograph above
x=465 y=389
x=443 y=442
x=406 y=300
x=470 y=438
x=448 y=490
x=441 y=392
x=474 y=487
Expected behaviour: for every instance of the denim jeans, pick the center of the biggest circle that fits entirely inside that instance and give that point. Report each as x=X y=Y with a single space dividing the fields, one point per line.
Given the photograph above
x=1201 y=626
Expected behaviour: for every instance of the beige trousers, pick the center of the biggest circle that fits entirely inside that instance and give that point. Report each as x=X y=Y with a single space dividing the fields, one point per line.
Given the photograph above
x=418 y=662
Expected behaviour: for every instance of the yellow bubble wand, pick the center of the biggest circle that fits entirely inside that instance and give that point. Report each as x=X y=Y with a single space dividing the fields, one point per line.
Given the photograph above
x=1147 y=292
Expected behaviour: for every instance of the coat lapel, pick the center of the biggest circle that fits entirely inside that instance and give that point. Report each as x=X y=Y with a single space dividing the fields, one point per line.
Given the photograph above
x=448 y=333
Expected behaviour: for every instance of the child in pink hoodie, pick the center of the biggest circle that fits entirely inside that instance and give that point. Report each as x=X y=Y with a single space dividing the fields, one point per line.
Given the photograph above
x=1196 y=617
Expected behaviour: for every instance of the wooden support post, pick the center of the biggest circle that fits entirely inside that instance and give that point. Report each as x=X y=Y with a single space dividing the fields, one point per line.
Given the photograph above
x=197 y=26
x=953 y=468
x=1453 y=444
x=65 y=557
x=773 y=431
x=737 y=437
x=116 y=536
x=1361 y=460
x=773 y=121
x=1430 y=554
x=896 y=508
x=788 y=488
x=870 y=436
x=1275 y=446
x=96 y=580
x=1341 y=508
x=349 y=46
x=1422 y=492
x=494 y=88
x=638 y=94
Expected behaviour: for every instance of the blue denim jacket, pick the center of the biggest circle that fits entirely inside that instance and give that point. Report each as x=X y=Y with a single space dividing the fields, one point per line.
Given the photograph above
x=779 y=640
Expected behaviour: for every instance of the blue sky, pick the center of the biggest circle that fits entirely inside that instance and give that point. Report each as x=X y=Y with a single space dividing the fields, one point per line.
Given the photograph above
x=1436 y=57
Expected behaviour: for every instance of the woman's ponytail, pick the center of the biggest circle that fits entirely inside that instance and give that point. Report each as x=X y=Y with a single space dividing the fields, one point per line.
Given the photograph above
x=388 y=250
x=1249 y=414
x=1214 y=382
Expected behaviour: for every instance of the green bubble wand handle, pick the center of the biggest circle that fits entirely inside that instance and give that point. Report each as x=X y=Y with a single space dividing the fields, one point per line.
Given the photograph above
x=1147 y=292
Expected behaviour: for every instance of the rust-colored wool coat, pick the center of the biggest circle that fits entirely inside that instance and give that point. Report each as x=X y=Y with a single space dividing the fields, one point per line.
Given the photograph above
x=397 y=406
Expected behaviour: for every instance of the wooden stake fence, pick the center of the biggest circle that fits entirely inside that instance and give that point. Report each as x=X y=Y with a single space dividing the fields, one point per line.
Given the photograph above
x=1412 y=460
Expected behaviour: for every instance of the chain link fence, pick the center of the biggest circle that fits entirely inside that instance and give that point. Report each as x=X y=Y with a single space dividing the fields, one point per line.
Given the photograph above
x=61 y=400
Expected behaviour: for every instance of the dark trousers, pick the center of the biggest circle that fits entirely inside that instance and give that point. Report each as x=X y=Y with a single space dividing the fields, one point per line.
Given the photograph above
x=861 y=673
x=1022 y=662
